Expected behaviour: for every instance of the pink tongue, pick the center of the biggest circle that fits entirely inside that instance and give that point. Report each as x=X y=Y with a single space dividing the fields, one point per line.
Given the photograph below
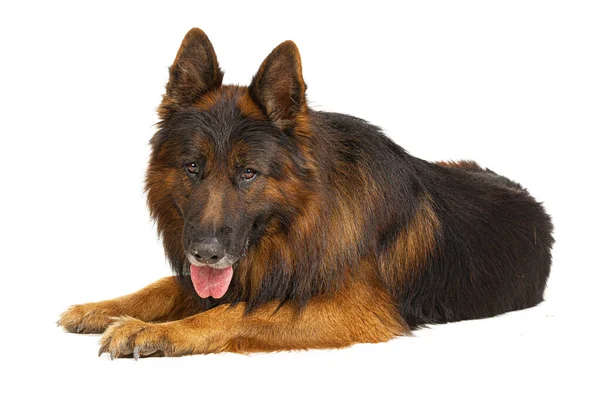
x=211 y=281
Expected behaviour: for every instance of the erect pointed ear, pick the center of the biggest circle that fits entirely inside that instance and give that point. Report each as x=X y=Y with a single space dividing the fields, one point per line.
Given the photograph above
x=195 y=69
x=278 y=86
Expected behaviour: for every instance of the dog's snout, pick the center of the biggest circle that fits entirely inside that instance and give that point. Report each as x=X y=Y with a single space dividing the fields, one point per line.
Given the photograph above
x=207 y=251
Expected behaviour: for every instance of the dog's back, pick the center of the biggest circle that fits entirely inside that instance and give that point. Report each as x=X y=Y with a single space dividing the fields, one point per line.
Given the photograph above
x=493 y=248
x=454 y=240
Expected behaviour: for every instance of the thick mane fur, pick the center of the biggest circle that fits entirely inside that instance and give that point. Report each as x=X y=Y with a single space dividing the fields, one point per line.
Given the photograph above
x=343 y=217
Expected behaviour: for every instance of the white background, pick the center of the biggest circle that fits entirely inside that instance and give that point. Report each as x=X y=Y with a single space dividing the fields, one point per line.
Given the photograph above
x=514 y=85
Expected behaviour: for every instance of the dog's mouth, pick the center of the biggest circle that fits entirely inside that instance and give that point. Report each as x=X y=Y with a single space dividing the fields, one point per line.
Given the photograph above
x=209 y=281
x=212 y=280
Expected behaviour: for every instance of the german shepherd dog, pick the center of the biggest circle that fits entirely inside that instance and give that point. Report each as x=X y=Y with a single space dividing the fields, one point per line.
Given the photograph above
x=289 y=228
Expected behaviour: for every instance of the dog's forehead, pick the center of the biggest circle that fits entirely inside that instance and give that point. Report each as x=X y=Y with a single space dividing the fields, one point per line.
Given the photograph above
x=223 y=127
x=232 y=98
x=209 y=126
x=222 y=131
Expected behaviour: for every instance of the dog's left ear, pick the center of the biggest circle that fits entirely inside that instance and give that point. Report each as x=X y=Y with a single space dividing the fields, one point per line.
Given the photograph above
x=278 y=86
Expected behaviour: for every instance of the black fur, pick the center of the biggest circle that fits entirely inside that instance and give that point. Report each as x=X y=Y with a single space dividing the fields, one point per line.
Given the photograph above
x=493 y=252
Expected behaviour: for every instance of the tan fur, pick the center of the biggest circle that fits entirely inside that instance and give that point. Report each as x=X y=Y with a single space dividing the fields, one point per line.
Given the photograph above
x=213 y=211
x=472 y=165
x=248 y=107
x=210 y=98
x=161 y=301
x=359 y=313
x=413 y=246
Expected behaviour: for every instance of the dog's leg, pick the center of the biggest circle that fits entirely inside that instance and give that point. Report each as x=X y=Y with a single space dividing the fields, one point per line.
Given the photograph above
x=354 y=315
x=162 y=300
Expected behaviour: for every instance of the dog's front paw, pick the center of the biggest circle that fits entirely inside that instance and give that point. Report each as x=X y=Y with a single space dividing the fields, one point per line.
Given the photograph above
x=130 y=337
x=88 y=318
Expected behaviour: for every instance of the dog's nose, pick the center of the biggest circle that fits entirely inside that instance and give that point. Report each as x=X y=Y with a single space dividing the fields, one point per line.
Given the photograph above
x=207 y=251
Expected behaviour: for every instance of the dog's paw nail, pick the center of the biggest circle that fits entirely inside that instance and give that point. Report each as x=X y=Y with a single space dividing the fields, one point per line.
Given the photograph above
x=136 y=353
x=80 y=328
x=113 y=354
x=102 y=350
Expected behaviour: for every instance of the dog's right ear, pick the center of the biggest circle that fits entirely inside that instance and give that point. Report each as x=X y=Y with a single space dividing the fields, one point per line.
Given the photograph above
x=194 y=71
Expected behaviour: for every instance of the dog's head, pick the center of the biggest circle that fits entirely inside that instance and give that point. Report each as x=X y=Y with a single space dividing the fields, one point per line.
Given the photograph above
x=229 y=163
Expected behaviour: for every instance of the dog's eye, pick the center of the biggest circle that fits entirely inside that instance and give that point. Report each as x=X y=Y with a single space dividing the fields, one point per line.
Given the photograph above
x=192 y=168
x=248 y=174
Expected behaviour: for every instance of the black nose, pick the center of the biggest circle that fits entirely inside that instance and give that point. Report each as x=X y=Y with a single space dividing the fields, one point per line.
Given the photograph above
x=207 y=251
